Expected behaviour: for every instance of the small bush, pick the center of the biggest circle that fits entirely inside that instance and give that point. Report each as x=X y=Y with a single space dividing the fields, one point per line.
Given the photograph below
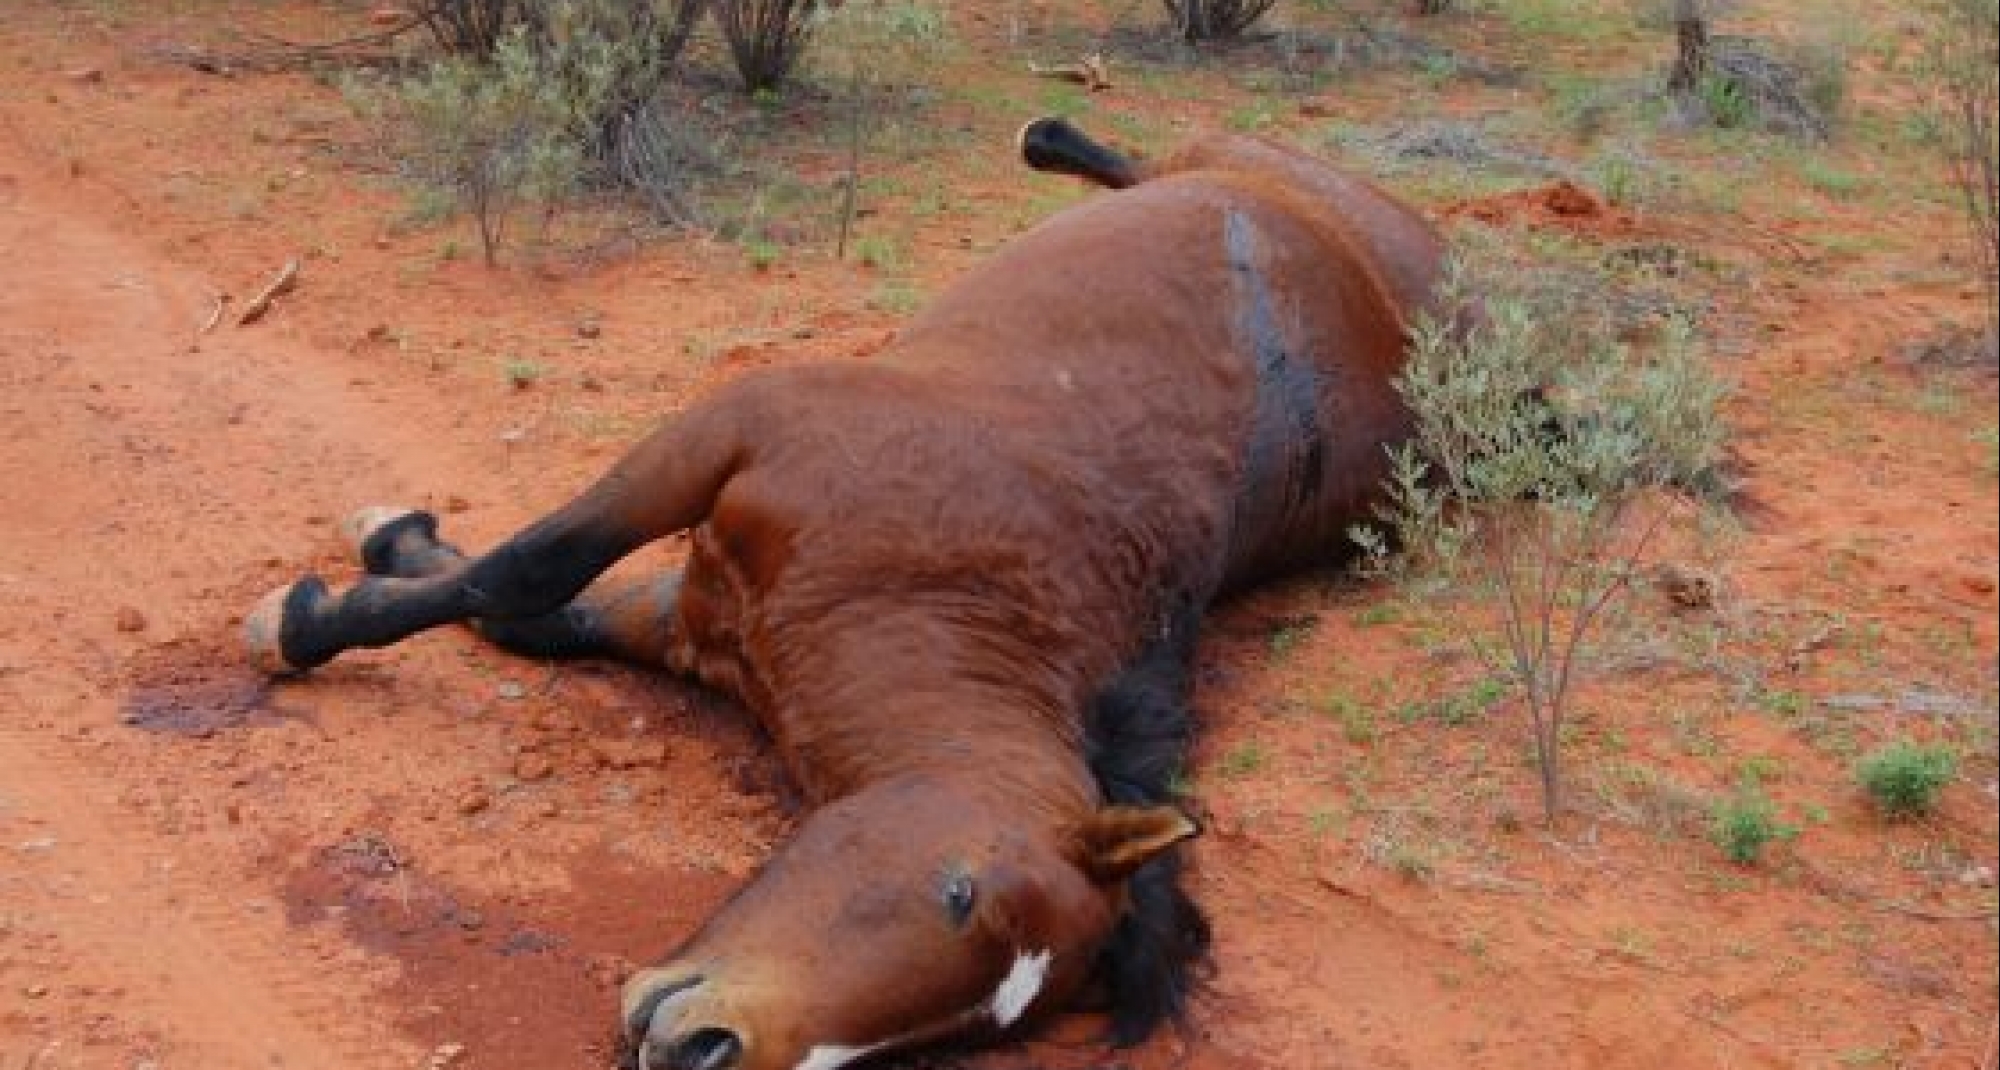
x=1215 y=20
x=766 y=38
x=1744 y=824
x=490 y=135
x=1547 y=457
x=473 y=28
x=1905 y=778
x=566 y=98
x=1964 y=51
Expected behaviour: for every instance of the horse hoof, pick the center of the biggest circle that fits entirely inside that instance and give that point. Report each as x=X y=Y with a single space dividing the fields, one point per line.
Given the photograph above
x=365 y=522
x=264 y=626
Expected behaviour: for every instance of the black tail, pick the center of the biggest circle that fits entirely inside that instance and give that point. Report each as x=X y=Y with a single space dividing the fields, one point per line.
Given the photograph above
x=1051 y=144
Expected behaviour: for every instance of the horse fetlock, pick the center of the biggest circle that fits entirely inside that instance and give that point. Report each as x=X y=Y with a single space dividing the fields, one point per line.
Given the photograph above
x=358 y=526
x=372 y=534
x=274 y=630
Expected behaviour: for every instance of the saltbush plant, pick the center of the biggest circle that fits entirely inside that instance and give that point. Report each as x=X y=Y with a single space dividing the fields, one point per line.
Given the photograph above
x=1547 y=457
x=490 y=134
x=1905 y=778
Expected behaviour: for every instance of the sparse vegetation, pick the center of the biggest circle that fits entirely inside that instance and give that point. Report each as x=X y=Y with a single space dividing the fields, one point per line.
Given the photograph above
x=1215 y=20
x=1747 y=823
x=1245 y=759
x=564 y=96
x=1905 y=778
x=767 y=38
x=1965 y=51
x=1547 y=458
x=490 y=134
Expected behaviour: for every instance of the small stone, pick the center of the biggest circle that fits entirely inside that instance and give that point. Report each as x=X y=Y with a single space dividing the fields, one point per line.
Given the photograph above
x=46 y=843
x=511 y=691
x=474 y=801
x=1979 y=584
x=35 y=991
x=588 y=327
x=444 y=1055
x=532 y=766
x=87 y=75
x=130 y=619
x=1315 y=109
x=454 y=503
x=1685 y=587
x=628 y=753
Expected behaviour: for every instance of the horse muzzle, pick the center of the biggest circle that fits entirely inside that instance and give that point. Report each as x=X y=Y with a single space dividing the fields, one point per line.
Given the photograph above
x=661 y=1034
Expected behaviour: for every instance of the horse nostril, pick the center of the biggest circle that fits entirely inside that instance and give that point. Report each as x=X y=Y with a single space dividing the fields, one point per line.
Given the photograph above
x=704 y=1049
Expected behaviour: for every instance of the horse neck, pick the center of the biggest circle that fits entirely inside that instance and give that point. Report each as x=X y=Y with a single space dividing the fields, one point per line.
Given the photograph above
x=907 y=692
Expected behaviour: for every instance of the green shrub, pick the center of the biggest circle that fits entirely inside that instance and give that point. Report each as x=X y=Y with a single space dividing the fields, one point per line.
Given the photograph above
x=1729 y=104
x=1744 y=824
x=1547 y=456
x=1905 y=777
x=490 y=134
x=565 y=97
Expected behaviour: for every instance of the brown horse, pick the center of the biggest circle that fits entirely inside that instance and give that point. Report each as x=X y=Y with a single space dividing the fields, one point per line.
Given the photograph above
x=959 y=584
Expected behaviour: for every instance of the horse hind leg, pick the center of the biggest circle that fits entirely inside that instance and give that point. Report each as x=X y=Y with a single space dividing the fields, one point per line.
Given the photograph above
x=613 y=617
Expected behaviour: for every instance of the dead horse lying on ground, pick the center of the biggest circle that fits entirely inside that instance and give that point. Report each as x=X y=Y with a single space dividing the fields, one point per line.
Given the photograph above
x=959 y=584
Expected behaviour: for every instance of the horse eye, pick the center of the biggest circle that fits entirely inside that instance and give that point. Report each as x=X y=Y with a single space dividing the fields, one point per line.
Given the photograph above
x=960 y=895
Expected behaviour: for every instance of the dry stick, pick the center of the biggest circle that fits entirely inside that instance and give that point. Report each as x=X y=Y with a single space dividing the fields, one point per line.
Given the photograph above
x=214 y=314
x=378 y=37
x=852 y=193
x=1092 y=73
x=287 y=278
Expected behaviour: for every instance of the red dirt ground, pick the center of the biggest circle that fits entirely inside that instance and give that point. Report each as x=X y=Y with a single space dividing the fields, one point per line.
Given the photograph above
x=439 y=855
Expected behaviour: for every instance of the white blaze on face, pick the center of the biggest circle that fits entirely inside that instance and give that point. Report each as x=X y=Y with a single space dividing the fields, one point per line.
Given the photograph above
x=835 y=1056
x=1011 y=1000
x=1020 y=987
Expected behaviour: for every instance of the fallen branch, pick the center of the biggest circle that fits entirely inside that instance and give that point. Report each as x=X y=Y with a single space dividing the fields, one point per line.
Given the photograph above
x=375 y=37
x=287 y=277
x=1092 y=73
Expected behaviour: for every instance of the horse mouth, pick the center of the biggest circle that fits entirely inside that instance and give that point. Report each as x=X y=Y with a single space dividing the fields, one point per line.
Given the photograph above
x=657 y=1037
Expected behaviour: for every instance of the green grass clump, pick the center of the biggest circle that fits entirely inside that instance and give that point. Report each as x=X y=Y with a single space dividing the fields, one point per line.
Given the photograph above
x=1905 y=778
x=1746 y=823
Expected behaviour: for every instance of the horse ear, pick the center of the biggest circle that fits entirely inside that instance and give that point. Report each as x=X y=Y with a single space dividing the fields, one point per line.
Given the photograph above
x=1117 y=840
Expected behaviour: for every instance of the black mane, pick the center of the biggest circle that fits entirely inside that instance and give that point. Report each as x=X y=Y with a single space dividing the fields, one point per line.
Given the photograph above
x=1137 y=735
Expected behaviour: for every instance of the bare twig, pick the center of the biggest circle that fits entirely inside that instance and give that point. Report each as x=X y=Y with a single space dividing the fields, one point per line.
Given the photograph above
x=363 y=40
x=214 y=314
x=1093 y=74
x=286 y=279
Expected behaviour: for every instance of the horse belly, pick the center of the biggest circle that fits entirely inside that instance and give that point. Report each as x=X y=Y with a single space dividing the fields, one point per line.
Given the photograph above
x=1324 y=409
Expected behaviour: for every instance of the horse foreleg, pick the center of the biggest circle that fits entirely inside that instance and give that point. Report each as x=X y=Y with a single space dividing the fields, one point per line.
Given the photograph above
x=669 y=483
